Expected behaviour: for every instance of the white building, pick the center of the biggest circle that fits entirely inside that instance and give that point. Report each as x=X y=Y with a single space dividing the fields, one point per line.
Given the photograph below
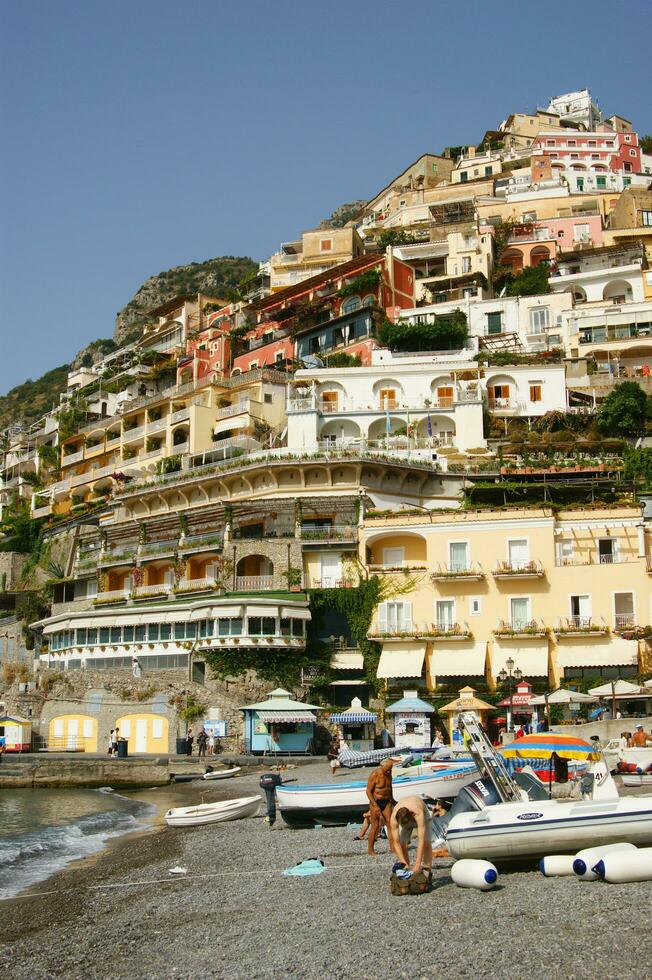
x=611 y=274
x=577 y=107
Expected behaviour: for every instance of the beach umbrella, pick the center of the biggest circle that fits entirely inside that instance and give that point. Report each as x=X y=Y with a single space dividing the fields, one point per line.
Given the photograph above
x=545 y=744
x=561 y=696
x=614 y=689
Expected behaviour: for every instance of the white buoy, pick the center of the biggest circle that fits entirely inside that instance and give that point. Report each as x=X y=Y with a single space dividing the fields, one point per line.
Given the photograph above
x=586 y=859
x=469 y=873
x=556 y=865
x=621 y=866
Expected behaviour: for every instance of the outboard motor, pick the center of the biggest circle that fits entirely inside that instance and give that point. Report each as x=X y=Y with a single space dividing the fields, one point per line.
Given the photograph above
x=269 y=781
x=476 y=796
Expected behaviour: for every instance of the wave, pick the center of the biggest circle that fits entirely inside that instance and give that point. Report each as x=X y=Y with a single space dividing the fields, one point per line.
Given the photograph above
x=32 y=857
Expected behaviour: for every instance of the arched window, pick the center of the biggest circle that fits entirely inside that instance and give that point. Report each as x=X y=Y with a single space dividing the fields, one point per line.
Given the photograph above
x=351 y=304
x=369 y=300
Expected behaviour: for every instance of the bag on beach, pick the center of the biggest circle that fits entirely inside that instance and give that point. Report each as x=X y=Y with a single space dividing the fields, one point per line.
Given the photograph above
x=417 y=884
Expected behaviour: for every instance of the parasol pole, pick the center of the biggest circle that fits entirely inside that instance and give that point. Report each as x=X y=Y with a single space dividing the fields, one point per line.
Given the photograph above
x=613 y=700
x=546 y=696
x=550 y=777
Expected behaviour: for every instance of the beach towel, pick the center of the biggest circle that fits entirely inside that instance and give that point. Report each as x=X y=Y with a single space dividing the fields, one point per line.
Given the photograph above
x=312 y=866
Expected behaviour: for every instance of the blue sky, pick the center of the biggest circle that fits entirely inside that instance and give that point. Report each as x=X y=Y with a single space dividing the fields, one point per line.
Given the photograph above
x=142 y=135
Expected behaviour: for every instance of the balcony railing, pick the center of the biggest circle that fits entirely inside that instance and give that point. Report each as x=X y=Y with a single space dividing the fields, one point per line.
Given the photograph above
x=254 y=583
x=531 y=568
x=148 y=591
x=458 y=570
x=70 y=458
x=520 y=627
x=436 y=631
x=206 y=584
x=157 y=426
x=158 y=547
x=581 y=626
x=405 y=566
x=329 y=532
x=114 y=595
x=625 y=621
x=227 y=411
x=180 y=416
x=132 y=435
x=199 y=542
x=503 y=404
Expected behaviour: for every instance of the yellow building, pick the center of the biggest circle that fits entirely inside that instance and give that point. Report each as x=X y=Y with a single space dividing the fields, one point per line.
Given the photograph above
x=315 y=252
x=558 y=593
x=145 y=732
x=73 y=732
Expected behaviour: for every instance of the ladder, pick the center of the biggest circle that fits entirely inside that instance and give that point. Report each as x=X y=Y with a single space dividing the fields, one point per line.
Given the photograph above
x=489 y=762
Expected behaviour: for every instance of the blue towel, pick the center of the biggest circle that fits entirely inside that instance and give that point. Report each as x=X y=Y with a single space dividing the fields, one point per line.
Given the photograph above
x=310 y=867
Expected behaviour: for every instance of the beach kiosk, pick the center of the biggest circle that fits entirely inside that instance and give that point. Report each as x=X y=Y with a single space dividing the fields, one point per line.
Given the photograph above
x=519 y=709
x=411 y=718
x=15 y=734
x=466 y=701
x=357 y=725
x=279 y=725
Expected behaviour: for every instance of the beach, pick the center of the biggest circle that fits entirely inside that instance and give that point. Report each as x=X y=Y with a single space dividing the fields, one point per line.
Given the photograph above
x=121 y=914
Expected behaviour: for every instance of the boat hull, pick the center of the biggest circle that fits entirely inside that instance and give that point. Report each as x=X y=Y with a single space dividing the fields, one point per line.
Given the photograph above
x=516 y=831
x=205 y=813
x=334 y=805
x=222 y=773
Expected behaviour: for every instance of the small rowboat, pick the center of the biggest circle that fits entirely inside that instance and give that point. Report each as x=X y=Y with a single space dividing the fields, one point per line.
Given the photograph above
x=222 y=773
x=191 y=816
x=636 y=778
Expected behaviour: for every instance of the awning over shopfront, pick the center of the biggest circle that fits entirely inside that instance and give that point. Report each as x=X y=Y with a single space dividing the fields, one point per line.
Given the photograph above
x=401 y=660
x=287 y=717
x=531 y=657
x=614 y=652
x=347 y=660
x=460 y=660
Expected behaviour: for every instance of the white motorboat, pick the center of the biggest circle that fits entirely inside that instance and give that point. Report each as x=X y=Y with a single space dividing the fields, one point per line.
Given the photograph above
x=639 y=757
x=333 y=804
x=191 y=816
x=503 y=819
x=222 y=773
x=637 y=778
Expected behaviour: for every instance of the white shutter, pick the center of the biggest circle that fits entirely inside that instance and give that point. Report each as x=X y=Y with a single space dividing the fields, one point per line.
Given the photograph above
x=58 y=728
x=125 y=729
x=407 y=616
x=157 y=728
x=382 y=617
x=87 y=728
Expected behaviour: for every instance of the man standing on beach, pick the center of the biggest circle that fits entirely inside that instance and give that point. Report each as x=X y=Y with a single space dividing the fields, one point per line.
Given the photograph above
x=202 y=738
x=380 y=796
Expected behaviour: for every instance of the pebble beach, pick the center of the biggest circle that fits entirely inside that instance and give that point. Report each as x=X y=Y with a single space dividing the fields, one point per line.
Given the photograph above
x=234 y=914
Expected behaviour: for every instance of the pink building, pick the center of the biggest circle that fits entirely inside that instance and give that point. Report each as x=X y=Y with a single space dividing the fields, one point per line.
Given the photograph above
x=603 y=150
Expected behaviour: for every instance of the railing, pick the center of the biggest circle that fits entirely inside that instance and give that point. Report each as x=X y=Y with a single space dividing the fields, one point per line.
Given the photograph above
x=180 y=416
x=157 y=425
x=191 y=541
x=328 y=532
x=526 y=568
x=581 y=624
x=440 y=630
x=456 y=570
x=502 y=404
x=132 y=434
x=405 y=566
x=70 y=458
x=111 y=555
x=44 y=511
x=112 y=595
x=253 y=583
x=608 y=559
x=225 y=413
x=155 y=547
x=112 y=443
x=519 y=627
x=164 y=588
x=196 y=584
x=180 y=447
x=625 y=621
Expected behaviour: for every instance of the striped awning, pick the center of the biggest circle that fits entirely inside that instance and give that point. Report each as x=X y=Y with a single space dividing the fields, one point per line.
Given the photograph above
x=354 y=718
x=530 y=657
x=294 y=612
x=347 y=660
x=401 y=660
x=286 y=716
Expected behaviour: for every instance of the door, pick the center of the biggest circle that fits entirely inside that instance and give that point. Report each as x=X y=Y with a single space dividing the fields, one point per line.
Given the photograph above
x=73 y=731
x=331 y=571
x=445 y=396
x=445 y=611
x=518 y=553
x=581 y=609
x=458 y=556
x=520 y=610
x=141 y=735
x=606 y=551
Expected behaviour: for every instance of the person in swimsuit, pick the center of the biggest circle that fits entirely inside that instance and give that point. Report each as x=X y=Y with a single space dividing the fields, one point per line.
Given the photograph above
x=409 y=815
x=381 y=800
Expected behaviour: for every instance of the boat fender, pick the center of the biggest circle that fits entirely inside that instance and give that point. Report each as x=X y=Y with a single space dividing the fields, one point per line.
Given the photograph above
x=469 y=873
x=556 y=865
x=626 y=866
x=586 y=860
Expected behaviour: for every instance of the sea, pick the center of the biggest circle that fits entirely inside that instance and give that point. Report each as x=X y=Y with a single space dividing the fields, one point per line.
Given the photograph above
x=43 y=830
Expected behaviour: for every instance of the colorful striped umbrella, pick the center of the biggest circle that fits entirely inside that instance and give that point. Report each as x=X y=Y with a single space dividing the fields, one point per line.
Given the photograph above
x=543 y=744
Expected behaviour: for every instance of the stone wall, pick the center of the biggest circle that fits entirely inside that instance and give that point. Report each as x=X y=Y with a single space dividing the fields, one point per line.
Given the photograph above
x=11 y=569
x=12 y=642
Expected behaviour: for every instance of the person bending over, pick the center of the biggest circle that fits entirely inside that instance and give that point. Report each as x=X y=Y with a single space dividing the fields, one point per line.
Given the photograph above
x=409 y=815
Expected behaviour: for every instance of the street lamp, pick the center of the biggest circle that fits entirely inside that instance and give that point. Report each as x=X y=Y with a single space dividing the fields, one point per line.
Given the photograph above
x=509 y=676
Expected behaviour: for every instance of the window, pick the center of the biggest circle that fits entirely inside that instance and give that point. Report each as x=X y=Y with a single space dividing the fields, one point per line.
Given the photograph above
x=627 y=167
x=464 y=177
x=488 y=171
x=591 y=143
x=104 y=635
x=581 y=233
x=395 y=617
x=529 y=216
x=518 y=552
x=580 y=609
x=550 y=142
x=535 y=392
x=475 y=605
x=498 y=396
x=267 y=398
x=394 y=557
x=435 y=167
x=494 y=322
x=116 y=634
x=601 y=182
x=572 y=143
x=326 y=245
x=646 y=218
x=466 y=263
x=607 y=551
x=624 y=615
x=351 y=304
x=388 y=398
x=262 y=626
x=565 y=552
x=458 y=554
x=539 y=319
x=129 y=634
x=229 y=627
x=445 y=613
x=519 y=612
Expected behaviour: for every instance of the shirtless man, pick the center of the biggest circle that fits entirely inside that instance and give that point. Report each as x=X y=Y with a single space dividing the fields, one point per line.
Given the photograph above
x=380 y=796
x=408 y=815
x=640 y=738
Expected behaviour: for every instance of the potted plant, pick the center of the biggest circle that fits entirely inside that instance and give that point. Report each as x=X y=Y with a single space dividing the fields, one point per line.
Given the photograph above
x=293 y=579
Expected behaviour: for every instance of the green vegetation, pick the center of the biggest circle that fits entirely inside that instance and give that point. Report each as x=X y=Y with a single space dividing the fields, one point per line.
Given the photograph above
x=342 y=215
x=32 y=399
x=21 y=532
x=624 y=411
x=396 y=237
x=341 y=359
x=503 y=358
x=645 y=142
x=532 y=281
x=366 y=282
x=444 y=333
x=638 y=466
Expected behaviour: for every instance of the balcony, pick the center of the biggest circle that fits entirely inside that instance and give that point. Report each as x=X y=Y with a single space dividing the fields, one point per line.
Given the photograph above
x=207 y=584
x=43 y=511
x=117 y=556
x=229 y=410
x=157 y=426
x=181 y=415
x=113 y=443
x=519 y=569
x=201 y=542
x=70 y=458
x=133 y=435
x=446 y=572
x=161 y=590
x=504 y=405
x=406 y=566
x=625 y=621
x=116 y=595
x=580 y=626
x=254 y=583
x=519 y=628
x=159 y=547
x=412 y=630
x=179 y=448
x=329 y=532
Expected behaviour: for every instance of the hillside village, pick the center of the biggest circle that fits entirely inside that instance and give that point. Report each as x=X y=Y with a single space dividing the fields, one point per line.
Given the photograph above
x=411 y=447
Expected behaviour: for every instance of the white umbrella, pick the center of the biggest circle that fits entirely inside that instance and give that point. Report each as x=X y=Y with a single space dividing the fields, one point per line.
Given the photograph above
x=617 y=688
x=563 y=696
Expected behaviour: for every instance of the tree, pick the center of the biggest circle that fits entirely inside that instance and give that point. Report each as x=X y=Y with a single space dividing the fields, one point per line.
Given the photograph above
x=645 y=142
x=624 y=410
x=396 y=237
x=444 y=333
x=532 y=281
